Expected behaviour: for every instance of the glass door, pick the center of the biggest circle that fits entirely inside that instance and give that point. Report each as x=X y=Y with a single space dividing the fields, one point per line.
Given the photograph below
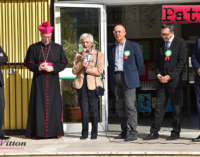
x=72 y=20
x=185 y=86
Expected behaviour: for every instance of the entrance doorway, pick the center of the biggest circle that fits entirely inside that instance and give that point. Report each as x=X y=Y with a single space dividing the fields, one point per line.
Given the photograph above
x=72 y=20
x=143 y=24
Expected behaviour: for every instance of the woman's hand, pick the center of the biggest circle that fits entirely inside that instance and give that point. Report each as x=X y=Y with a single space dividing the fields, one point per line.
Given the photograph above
x=85 y=64
x=84 y=55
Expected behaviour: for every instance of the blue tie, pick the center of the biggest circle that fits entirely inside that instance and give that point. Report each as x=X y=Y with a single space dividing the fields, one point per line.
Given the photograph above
x=166 y=45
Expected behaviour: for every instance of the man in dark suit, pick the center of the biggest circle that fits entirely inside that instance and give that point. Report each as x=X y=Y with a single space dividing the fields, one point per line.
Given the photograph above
x=3 y=59
x=171 y=54
x=125 y=64
x=196 y=65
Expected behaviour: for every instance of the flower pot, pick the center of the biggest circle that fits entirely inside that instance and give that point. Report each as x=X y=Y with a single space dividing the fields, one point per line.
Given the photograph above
x=73 y=114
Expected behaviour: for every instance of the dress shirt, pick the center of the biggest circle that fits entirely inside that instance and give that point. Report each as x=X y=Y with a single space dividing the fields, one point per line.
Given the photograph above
x=119 y=56
x=88 y=57
x=169 y=44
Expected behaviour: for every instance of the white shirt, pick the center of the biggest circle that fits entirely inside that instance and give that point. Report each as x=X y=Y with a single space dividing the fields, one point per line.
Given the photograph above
x=170 y=41
x=119 y=56
x=88 y=57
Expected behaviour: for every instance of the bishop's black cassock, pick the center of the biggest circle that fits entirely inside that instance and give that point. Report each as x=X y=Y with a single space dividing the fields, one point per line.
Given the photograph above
x=45 y=107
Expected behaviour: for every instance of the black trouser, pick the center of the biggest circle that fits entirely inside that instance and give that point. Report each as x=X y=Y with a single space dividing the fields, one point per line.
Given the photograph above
x=88 y=100
x=2 y=106
x=197 y=92
x=163 y=94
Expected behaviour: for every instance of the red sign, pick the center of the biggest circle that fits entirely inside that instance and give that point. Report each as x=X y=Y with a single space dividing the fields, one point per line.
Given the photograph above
x=181 y=13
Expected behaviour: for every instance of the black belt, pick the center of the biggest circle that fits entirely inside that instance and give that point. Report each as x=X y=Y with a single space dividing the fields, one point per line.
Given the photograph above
x=119 y=72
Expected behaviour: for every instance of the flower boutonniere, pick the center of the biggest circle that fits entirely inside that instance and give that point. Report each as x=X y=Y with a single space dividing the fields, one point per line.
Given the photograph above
x=126 y=54
x=168 y=53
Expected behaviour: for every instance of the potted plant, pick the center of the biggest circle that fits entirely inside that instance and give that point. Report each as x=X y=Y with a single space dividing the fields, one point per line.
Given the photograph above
x=71 y=112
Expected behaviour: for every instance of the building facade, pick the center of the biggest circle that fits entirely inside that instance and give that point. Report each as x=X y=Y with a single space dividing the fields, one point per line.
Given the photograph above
x=142 y=20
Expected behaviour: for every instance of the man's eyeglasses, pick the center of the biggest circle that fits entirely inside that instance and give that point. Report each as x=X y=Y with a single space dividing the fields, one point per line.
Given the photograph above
x=164 y=34
x=46 y=38
x=115 y=32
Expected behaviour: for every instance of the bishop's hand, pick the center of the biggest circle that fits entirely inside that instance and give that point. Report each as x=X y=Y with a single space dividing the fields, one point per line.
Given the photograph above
x=47 y=68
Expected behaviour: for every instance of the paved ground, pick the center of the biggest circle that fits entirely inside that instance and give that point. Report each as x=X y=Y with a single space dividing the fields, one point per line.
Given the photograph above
x=71 y=145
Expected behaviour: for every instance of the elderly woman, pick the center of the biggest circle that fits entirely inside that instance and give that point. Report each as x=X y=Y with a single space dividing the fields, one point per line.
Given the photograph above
x=87 y=70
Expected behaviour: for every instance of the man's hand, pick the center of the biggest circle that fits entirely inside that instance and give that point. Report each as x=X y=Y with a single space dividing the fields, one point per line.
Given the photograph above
x=47 y=68
x=1 y=55
x=50 y=68
x=198 y=71
x=41 y=67
x=165 y=79
x=85 y=64
x=159 y=77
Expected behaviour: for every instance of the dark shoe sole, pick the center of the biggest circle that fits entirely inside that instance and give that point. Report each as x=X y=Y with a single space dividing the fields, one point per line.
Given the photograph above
x=83 y=138
x=154 y=138
x=130 y=139
x=172 y=139
x=5 y=138
x=194 y=140
x=120 y=137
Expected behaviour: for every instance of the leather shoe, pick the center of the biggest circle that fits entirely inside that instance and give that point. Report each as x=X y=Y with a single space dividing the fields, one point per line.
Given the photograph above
x=93 y=137
x=2 y=137
x=130 y=137
x=196 y=139
x=121 y=136
x=173 y=137
x=83 y=137
x=151 y=136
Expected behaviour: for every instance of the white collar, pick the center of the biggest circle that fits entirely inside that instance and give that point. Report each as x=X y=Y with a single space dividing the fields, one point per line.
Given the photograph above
x=92 y=52
x=171 y=39
x=121 y=43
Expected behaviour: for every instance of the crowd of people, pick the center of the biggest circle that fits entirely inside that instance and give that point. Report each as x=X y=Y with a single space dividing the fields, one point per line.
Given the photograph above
x=46 y=59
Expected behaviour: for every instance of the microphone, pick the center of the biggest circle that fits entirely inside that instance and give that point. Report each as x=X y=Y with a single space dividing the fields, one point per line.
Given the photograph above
x=84 y=50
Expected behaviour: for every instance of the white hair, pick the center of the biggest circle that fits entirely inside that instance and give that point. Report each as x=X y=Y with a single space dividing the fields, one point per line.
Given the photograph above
x=87 y=35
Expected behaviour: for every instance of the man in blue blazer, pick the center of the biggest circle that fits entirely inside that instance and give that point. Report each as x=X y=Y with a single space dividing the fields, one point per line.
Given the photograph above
x=125 y=64
x=196 y=65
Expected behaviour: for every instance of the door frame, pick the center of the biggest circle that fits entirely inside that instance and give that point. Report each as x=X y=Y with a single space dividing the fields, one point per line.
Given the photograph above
x=125 y=2
x=76 y=127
